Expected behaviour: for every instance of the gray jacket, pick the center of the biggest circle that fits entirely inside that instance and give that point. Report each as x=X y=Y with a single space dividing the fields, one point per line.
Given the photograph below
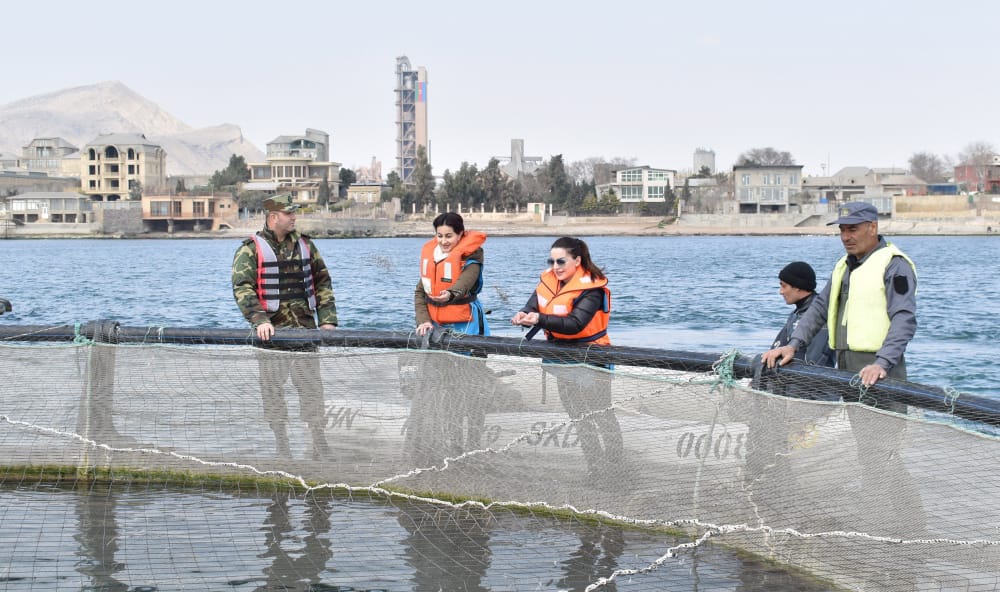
x=818 y=352
x=901 y=306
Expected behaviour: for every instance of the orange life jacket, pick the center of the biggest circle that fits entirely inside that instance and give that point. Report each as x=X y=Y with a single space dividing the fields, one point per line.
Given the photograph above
x=553 y=300
x=441 y=275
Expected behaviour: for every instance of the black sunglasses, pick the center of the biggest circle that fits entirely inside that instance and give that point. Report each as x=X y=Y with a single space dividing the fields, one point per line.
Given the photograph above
x=560 y=261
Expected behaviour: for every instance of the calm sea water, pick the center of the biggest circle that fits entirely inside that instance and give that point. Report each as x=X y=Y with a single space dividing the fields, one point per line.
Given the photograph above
x=701 y=293
x=131 y=539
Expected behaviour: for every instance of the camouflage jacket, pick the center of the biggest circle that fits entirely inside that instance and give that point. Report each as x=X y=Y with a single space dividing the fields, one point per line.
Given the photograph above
x=291 y=313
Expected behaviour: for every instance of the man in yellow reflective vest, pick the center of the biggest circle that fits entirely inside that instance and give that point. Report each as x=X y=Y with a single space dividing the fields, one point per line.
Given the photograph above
x=869 y=305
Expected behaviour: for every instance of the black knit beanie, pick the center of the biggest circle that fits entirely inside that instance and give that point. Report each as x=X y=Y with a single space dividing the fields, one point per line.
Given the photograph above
x=799 y=274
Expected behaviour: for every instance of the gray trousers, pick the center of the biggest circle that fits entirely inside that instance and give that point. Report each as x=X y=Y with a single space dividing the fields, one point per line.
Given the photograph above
x=890 y=491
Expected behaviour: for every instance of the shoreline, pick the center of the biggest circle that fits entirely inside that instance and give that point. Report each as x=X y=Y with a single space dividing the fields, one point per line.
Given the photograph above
x=639 y=227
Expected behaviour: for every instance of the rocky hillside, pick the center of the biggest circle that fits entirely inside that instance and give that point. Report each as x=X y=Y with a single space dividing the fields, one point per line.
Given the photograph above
x=81 y=114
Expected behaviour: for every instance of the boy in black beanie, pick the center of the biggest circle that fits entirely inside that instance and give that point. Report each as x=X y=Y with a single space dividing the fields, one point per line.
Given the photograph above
x=798 y=288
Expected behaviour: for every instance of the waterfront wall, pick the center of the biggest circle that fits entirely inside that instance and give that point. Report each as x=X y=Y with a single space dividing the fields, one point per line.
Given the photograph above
x=125 y=219
x=961 y=222
x=343 y=227
x=757 y=221
x=941 y=206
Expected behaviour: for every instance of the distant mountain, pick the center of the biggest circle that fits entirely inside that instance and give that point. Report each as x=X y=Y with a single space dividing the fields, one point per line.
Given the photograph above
x=80 y=114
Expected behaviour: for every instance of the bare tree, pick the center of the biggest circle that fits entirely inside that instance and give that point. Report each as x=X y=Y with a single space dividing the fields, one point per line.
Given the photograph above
x=586 y=170
x=978 y=155
x=765 y=157
x=930 y=168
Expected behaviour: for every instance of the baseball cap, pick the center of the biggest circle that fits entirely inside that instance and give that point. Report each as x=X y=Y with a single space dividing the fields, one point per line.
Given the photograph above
x=855 y=212
x=280 y=203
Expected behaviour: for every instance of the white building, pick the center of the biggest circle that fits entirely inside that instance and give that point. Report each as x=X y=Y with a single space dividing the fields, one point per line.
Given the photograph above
x=639 y=184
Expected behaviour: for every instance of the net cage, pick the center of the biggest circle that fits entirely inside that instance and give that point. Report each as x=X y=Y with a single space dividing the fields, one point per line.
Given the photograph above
x=151 y=458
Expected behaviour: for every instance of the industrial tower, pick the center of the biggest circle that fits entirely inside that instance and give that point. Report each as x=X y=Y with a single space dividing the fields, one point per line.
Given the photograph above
x=411 y=117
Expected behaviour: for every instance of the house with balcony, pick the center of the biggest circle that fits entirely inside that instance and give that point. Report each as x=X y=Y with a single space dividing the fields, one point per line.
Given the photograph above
x=53 y=156
x=299 y=165
x=113 y=165
x=767 y=188
x=982 y=176
x=189 y=213
x=635 y=185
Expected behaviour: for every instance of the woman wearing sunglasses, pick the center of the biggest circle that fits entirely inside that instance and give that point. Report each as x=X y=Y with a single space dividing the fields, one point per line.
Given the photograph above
x=572 y=304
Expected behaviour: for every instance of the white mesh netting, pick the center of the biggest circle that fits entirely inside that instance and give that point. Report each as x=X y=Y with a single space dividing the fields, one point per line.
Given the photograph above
x=165 y=466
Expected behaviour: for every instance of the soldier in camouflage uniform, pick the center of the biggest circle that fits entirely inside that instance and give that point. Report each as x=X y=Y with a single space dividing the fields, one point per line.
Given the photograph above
x=296 y=291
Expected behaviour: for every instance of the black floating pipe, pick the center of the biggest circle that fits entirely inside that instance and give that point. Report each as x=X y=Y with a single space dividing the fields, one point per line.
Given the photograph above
x=835 y=383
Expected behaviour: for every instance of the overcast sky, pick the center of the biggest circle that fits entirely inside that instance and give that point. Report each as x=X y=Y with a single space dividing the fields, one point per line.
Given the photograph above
x=836 y=83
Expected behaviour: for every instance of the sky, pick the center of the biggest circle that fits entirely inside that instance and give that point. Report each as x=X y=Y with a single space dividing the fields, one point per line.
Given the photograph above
x=847 y=83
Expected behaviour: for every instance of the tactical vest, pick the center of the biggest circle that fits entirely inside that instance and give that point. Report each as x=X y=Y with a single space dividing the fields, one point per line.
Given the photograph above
x=291 y=279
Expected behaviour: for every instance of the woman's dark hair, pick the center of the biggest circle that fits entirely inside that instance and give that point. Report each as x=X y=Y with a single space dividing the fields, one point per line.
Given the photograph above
x=450 y=219
x=578 y=248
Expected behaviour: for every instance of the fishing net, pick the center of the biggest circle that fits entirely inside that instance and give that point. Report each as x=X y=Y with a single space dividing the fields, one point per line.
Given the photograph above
x=142 y=464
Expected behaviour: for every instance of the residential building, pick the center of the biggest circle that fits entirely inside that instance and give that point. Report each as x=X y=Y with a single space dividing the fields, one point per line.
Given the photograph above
x=767 y=188
x=53 y=156
x=411 y=117
x=50 y=207
x=299 y=165
x=113 y=165
x=895 y=182
x=9 y=161
x=366 y=193
x=983 y=176
x=174 y=213
x=859 y=182
x=43 y=213
x=635 y=185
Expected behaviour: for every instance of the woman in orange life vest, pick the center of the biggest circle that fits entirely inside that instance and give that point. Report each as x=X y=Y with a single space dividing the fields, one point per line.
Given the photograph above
x=451 y=276
x=444 y=409
x=572 y=304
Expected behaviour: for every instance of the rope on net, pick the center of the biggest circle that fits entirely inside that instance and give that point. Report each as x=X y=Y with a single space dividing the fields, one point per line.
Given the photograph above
x=78 y=336
x=862 y=389
x=951 y=395
x=723 y=369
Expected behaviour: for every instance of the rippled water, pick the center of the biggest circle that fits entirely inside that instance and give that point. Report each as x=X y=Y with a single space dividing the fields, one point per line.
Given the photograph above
x=699 y=293
x=130 y=538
